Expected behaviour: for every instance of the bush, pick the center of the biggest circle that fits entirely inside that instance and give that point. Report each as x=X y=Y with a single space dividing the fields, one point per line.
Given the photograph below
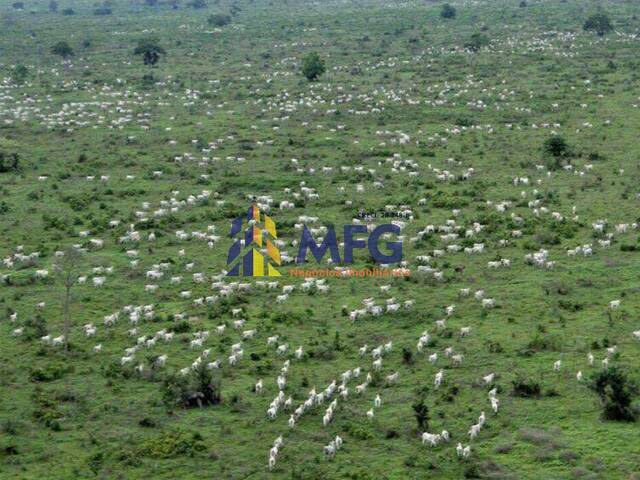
x=219 y=20
x=313 y=66
x=421 y=413
x=525 y=388
x=476 y=42
x=172 y=444
x=556 y=146
x=150 y=50
x=63 y=49
x=599 y=23
x=48 y=373
x=9 y=162
x=448 y=11
x=198 y=389
x=46 y=410
x=616 y=393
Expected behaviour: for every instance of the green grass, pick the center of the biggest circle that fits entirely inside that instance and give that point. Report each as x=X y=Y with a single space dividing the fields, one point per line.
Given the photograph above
x=392 y=68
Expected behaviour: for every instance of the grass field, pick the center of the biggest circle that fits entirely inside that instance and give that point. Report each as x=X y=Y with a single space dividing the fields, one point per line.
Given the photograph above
x=406 y=117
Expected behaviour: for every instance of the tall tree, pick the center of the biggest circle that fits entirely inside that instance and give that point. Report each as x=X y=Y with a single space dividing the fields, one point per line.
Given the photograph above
x=313 y=66
x=150 y=50
x=599 y=23
x=63 y=49
x=68 y=268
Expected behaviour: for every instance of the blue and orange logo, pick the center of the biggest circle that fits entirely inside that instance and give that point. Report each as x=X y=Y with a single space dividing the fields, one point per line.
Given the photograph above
x=262 y=256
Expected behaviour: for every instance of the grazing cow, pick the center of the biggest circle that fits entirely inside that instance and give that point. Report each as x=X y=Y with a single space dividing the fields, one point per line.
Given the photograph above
x=457 y=360
x=391 y=379
x=495 y=404
x=488 y=379
x=431 y=439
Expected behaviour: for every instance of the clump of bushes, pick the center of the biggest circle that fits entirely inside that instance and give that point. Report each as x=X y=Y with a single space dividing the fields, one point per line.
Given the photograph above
x=313 y=66
x=199 y=388
x=599 y=23
x=476 y=42
x=9 y=162
x=219 y=20
x=448 y=11
x=172 y=444
x=616 y=392
x=525 y=388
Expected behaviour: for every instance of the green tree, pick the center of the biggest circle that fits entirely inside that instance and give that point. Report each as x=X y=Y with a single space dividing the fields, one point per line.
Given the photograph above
x=9 y=162
x=150 y=50
x=313 y=66
x=63 y=49
x=599 y=23
x=476 y=42
x=219 y=20
x=556 y=146
x=448 y=11
x=616 y=393
x=68 y=268
x=421 y=414
x=20 y=73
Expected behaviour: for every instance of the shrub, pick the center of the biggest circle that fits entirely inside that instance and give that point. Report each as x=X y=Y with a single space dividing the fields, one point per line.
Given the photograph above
x=421 y=413
x=313 y=66
x=525 y=388
x=448 y=11
x=198 y=389
x=556 y=146
x=476 y=42
x=219 y=20
x=9 y=162
x=46 y=410
x=172 y=444
x=616 y=393
x=599 y=23
x=47 y=373
x=150 y=50
x=62 y=49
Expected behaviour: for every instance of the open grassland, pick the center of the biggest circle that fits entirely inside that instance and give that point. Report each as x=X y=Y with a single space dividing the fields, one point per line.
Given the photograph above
x=406 y=118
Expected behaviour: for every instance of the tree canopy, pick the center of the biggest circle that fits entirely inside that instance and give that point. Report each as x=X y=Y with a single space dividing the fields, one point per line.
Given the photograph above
x=476 y=42
x=313 y=66
x=448 y=11
x=599 y=23
x=63 y=49
x=219 y=20
x=150 y=50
